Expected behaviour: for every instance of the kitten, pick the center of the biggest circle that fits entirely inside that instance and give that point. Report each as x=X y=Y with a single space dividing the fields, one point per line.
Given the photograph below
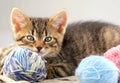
x=63 y=45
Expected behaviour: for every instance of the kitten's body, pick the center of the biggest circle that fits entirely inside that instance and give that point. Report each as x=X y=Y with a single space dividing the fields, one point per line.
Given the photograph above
x=81 y=40
x=68 y=45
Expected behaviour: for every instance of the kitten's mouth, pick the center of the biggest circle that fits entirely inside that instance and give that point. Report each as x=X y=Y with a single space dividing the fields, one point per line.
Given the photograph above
x=40 y=52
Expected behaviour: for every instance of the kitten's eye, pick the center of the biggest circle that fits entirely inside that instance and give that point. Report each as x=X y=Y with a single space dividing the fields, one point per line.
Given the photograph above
x=31 y=38
x=48 y=39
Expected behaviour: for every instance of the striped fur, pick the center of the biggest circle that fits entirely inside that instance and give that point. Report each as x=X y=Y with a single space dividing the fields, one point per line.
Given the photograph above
x=82 y=39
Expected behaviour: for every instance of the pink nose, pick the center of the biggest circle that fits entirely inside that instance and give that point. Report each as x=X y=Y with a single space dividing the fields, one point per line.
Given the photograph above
x=39 y=48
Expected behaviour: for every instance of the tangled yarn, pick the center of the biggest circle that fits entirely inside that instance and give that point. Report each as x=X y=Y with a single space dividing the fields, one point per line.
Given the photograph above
x=24 y=64
x=97 y=69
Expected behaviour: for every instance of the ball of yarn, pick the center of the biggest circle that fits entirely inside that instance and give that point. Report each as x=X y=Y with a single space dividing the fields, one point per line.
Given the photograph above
x=113 y=54
x=24 y=64
x=97 y=69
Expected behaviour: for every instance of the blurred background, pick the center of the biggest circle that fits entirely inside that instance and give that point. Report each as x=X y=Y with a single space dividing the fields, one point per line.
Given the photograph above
x=100 y=10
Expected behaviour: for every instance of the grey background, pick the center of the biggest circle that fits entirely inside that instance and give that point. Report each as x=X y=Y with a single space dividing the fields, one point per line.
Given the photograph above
x=103 y=10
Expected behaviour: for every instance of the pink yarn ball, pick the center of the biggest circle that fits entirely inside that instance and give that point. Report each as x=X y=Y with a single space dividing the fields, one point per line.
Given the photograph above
x=113 y=54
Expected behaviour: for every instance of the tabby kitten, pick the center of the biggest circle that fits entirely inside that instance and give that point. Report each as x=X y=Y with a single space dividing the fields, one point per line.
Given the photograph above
x=62 y=45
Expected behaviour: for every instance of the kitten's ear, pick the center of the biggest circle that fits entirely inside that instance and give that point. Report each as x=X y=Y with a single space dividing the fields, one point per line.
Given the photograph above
x=59 y=21
x=18 y=19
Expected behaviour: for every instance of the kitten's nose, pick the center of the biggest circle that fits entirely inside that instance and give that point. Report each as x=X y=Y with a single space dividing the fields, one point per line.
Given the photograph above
x=39 y=48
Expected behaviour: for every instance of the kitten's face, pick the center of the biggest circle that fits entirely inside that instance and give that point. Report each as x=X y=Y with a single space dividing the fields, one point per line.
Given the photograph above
x=42 y=35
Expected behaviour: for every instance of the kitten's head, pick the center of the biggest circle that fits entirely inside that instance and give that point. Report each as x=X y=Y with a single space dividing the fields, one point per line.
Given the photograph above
x=43 y=35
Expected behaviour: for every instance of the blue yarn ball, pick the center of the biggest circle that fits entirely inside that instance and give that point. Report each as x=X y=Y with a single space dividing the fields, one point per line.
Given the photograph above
x=97 y=69
x=24 y=64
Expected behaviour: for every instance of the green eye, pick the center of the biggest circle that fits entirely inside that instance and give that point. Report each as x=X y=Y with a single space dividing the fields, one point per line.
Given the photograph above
x=48 y=39
x=30 y=38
